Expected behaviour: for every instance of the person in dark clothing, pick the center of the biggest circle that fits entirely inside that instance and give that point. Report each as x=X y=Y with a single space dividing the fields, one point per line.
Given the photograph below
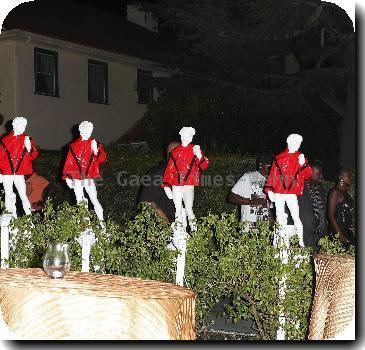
x=341 y=207
x=151 y=191
x=312 y=208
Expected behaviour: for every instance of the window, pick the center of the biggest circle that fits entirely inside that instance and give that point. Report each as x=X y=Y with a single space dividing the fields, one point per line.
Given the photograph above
x=144 y=86
x=46 y=72
x=98 y=82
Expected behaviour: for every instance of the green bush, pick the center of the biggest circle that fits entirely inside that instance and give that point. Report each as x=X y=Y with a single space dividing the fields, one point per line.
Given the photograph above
x=140 y=248
x=63 y=224
x=221 y=259
x=333 y=245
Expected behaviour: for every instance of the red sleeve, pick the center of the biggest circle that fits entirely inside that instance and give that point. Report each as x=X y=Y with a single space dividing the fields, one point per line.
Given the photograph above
x=67 y=167
x=33 y=151
x=101 y=154
x=307 y=171
x=2 y=158
x=169 y=173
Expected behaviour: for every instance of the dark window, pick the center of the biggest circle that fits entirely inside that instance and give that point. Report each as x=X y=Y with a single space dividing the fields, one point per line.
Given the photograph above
x=46 y=72
x=144 y=86
x=98 y=82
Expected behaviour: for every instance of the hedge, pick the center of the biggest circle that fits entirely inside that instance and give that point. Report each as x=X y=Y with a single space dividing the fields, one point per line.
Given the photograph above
x=221 y=258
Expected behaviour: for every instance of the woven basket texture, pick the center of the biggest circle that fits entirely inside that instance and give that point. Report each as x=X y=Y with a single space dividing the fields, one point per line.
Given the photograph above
x=334 y=300
x=89 y=306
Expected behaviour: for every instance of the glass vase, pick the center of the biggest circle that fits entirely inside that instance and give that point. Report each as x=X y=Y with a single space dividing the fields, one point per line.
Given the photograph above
x=56 y=262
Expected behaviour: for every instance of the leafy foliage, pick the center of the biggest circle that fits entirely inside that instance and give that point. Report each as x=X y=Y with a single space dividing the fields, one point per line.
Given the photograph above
x=333 y=245
x=32 y=233
x=222 y=259
x=140 y=248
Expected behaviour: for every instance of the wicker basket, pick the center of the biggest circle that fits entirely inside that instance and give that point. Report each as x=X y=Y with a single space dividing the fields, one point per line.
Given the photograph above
x=334 y=300
x=94 y=306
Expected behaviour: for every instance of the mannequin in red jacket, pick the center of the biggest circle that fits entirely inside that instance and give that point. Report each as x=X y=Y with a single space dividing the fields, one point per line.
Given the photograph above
x=82 y=166
x=182 y=174
x=286 y=181
x=17 y=151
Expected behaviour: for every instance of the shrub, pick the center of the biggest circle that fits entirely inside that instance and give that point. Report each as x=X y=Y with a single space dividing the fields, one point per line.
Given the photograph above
x=63 y=225
x=333 y=245
x=222 y=259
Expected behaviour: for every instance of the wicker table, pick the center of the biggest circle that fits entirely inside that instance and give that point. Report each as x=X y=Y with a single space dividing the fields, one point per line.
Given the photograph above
x=93 y=306
x=334 y=300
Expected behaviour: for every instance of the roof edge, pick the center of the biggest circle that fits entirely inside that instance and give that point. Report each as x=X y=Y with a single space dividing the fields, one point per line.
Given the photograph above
x=22 y=35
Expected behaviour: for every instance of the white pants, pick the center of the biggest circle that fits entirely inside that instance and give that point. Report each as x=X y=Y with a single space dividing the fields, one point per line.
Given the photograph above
x=292 y=202
x=186 y=194
x=90 y=188
x=10 y=196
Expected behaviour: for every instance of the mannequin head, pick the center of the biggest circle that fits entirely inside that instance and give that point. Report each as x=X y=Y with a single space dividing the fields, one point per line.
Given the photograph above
x=186 y=134
x=86 y=129
x=294 y=141
x=19 y=125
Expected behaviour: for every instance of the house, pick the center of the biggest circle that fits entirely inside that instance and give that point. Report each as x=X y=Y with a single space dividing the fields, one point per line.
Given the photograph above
x=62 y=62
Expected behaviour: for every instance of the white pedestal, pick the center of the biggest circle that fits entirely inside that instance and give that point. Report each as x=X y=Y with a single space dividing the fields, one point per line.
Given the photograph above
x=179 y=239
x=281 y=239
x=86 y=240
x=180 y=261
x=5 y=220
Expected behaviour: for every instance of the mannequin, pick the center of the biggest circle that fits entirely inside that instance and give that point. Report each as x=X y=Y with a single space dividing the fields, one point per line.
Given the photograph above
x=286 y=181
x=82 y=166
x=182 y=174
x=17 y=151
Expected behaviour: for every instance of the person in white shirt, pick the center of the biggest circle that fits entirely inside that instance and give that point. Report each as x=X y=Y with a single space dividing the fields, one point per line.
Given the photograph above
x=248 y=193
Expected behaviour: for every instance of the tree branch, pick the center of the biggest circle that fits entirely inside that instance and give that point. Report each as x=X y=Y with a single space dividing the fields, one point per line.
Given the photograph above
x=256 y=316
x=332 y=102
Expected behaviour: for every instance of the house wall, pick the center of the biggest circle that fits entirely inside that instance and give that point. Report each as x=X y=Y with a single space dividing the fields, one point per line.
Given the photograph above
x=50 y=119
x=7 y=81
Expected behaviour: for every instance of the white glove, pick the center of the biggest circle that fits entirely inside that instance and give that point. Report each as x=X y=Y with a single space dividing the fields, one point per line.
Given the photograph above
x=197 y=151
x=27 y=143
x=69 y=183
x=168 y=192
x=301 y=159
x=271 y=196
x=94 y=147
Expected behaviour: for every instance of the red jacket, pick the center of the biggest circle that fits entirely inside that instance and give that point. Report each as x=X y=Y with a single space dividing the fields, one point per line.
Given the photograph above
x=183 y=167
x=81 y=162
x=14 y=157
x=286 y=175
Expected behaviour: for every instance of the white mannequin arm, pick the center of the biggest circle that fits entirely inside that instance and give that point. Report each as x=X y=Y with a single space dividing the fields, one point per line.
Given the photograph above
x=301 y=159
x=94 y=147
x=27 y=143
x=168 y=192
x=197 y=151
